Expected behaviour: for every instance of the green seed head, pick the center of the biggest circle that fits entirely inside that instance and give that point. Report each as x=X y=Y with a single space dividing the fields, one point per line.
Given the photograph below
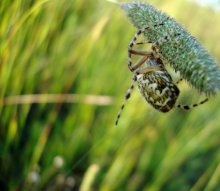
x=183 y=52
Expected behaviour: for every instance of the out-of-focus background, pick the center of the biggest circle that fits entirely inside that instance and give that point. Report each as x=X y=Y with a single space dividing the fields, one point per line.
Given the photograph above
x=63 y=77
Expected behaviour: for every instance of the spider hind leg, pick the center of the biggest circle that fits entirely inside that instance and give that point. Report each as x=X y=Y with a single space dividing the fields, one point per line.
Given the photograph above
x=188 y=107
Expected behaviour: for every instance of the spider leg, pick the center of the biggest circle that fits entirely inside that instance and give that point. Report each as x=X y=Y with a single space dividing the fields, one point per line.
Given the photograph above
x=146 y=54
x=129 y=91
x=161 y=41
x=188 y=107
x=138 y=52
x=149 y=69
x=144 y=42
x=127 y=96
x=139 y=62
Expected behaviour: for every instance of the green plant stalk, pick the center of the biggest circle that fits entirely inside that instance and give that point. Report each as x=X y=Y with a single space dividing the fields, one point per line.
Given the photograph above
x=183 y=52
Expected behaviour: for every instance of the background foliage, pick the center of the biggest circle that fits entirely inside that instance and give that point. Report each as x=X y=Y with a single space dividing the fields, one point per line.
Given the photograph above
x=80 y=47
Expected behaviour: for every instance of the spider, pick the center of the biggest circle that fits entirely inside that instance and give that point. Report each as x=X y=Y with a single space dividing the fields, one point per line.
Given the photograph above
x=154 y=81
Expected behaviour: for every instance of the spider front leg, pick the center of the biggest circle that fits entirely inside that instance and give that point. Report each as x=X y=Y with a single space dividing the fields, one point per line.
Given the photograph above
x=146 y=54
x=138 y=52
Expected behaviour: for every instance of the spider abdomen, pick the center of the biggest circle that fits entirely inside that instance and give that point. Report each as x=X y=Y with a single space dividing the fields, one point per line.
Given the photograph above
x=158 y=89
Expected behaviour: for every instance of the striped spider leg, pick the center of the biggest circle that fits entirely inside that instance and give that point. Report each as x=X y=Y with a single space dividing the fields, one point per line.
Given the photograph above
x=154 y=81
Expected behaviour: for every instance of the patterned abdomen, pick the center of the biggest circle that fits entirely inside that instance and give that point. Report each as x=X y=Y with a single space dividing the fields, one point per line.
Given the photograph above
x=158 y=89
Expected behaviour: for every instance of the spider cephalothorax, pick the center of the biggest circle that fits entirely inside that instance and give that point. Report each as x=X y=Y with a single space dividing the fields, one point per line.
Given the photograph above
x=154 y=81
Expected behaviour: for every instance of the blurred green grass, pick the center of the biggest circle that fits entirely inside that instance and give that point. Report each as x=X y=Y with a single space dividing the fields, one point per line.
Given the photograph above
x=80 y=47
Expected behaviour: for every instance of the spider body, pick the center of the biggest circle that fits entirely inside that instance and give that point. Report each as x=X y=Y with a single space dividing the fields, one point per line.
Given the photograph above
x=157 y=87
x=154 y=81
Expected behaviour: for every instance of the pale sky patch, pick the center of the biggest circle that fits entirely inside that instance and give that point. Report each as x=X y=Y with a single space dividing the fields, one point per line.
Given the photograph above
x=213 y=3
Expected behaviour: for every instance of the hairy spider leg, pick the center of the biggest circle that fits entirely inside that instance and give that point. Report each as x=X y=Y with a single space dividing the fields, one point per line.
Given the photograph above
x=161 y=41
x=188 y=107
x=138 y=52
x=127 y=96
x=129 y=91
x=146 y=55
x=165 y=39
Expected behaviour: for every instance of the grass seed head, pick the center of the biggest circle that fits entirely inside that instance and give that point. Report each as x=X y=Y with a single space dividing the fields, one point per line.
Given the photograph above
x=183 y=53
